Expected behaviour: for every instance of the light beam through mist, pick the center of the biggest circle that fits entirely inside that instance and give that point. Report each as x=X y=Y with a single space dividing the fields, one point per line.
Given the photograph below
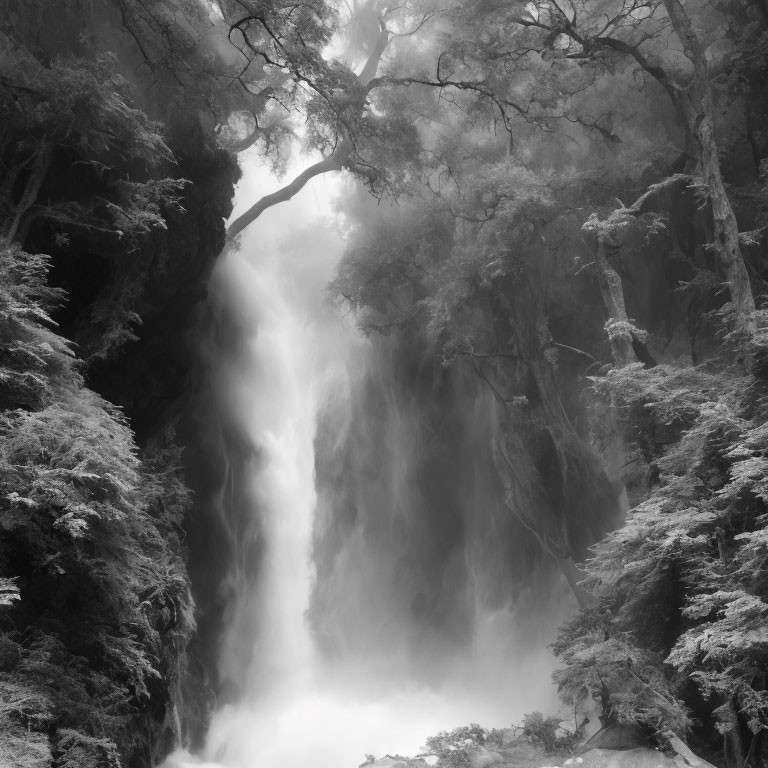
x=296 y=707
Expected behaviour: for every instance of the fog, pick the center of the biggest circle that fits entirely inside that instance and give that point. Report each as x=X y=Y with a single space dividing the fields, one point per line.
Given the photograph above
x=393 y=596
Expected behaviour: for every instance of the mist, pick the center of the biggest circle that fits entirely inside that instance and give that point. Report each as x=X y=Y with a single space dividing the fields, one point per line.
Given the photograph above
x=379 y=591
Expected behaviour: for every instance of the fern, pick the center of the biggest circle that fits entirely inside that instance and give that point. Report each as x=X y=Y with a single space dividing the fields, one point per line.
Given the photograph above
x=91 y=538
x=681 y=589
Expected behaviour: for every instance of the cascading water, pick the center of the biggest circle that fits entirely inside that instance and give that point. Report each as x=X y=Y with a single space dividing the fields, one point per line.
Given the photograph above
x=385 y=605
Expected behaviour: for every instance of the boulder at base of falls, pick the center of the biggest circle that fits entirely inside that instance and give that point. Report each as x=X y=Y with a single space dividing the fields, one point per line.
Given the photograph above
x=396 y=762
x=387 y=762
x=521 y=753
x=616 y=736
x=640 y=757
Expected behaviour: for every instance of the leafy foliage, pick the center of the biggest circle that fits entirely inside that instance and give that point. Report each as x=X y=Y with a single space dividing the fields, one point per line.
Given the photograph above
x=454 y=749
x=75 y=750
x=87 y=170
x=93 y=583
x=544 y=730
x=680 y=590
x=33 y=358
x=96 y=605
x=629 y=681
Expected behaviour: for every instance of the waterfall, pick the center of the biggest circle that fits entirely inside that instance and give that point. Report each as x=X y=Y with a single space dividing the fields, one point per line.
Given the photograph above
x=332 y=648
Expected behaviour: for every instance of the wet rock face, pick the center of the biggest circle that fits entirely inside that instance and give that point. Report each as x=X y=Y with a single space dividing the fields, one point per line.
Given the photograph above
x=154 y=376
x=155 y=290
x=159 y=378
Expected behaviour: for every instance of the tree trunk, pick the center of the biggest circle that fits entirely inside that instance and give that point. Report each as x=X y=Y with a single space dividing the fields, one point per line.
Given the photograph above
x=726 y=230
x=613 y=295
x=698 y=105
x=37 y=173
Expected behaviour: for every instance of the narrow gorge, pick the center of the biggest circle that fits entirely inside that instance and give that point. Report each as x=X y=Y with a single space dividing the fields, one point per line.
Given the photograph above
x=383 y=384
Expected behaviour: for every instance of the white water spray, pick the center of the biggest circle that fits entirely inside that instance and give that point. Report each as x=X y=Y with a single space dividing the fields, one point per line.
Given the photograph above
x=298 y=710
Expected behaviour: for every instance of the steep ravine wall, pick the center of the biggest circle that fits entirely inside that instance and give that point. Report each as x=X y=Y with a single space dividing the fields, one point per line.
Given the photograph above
x=162 y=381
x=96 y=651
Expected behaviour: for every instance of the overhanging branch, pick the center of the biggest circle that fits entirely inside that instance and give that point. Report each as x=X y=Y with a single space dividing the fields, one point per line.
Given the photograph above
x=334 y=162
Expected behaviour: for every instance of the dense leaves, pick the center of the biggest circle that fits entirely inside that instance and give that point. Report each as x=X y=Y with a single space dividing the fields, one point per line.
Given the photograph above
x=96 y=604
x=681 y=589
x=93 y=578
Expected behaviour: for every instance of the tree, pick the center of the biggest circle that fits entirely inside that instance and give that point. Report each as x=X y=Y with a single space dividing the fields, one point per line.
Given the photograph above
x=680 y=589
x=622 y=333
x=98 y=609
x=84 y=521
x=80 y=109
x=697 y=103
x=341 y=96
x=596 y=34
x=572 y=49
x=565 y=51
